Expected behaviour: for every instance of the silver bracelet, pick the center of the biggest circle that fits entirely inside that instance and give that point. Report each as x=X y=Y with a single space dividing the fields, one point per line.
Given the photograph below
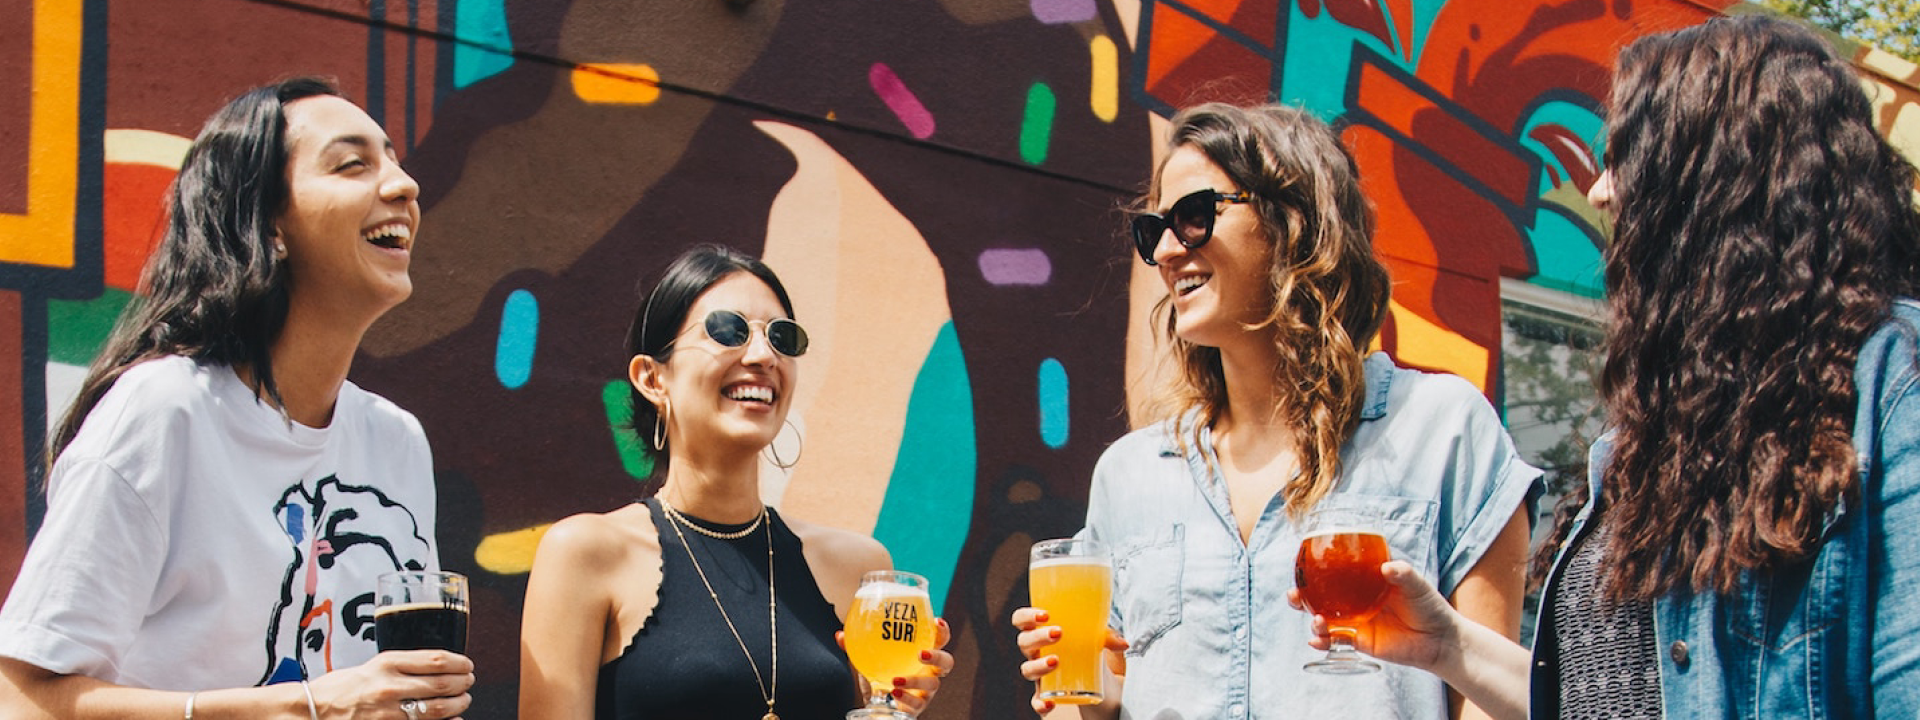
x=313 y=711
x=190 y=697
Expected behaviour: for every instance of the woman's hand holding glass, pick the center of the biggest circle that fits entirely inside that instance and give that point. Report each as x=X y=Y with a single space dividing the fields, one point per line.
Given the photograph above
x=896 y=644
x=1415 y=626
x=1036 y=636
x=436 y=681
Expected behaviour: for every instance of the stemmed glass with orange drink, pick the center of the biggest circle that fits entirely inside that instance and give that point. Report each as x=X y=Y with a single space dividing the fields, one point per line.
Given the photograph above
x=1338 y=574
x=890 y=624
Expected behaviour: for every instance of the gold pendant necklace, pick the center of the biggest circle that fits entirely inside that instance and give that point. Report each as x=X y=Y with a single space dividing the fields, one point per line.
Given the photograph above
x=769 y=692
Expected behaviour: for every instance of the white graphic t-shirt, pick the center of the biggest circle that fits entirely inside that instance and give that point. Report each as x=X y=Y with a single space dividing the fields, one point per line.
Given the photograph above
x=197 y=539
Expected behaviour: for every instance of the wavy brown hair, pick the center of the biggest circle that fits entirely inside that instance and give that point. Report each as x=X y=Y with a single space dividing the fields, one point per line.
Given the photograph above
x=1328 y=292
x=1763 y=228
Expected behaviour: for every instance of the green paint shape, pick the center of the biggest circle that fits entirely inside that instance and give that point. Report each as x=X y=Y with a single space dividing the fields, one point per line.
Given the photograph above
x=1036 y=130
x=634 y=457
x=929 y=503
x=485 y=48
x=78 y=329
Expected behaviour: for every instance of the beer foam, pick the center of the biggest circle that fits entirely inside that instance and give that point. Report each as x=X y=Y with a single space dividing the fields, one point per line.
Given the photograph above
x=878 y=590
x=408 y=607
x=1344 y=531
x=1072 y=560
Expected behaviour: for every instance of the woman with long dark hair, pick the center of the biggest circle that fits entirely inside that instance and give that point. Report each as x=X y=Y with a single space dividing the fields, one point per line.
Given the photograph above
x=220 y=498
x=1263 y=243
x=700 y=601
x=1743 y=551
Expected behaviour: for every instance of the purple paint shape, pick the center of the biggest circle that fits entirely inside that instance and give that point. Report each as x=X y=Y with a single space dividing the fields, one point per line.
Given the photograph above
x=902 y=101
x=1016 y=267
x=1054 y=12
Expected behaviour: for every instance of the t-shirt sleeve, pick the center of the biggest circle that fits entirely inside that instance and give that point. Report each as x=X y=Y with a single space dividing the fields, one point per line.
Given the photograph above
x=89 y=576
x=1486 y=482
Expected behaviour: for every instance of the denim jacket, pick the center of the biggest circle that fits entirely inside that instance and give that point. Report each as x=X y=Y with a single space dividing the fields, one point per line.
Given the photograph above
x=1211 y=635
x=1835 y=636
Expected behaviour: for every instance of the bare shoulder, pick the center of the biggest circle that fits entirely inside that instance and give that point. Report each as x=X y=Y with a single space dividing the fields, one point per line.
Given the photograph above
x=838 y=558
x=598 y=540
x=841 y=548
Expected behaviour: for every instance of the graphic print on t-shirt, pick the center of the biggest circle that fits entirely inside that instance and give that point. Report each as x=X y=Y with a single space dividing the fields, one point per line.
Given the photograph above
x=342 y=537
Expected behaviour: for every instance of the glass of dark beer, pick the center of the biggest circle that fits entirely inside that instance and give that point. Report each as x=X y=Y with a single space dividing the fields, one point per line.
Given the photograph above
x=1338 y=573
x=421 y=611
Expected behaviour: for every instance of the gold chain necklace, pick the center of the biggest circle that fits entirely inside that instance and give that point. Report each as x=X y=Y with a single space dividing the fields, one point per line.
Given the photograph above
x=715 y=534
x=773 y=629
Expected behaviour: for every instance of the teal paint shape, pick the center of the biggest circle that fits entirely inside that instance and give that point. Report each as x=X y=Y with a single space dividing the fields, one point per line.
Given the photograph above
x=1036 y=128
x=78 y=329
x=634 y=457
x=519 y=335
x=1053 y=403
x=929 y=503
x=1563 y=250
x=485 y=48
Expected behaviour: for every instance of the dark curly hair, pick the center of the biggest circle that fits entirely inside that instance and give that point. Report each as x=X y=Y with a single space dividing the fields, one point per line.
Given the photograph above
x=1328 y=292
x=1763 y=229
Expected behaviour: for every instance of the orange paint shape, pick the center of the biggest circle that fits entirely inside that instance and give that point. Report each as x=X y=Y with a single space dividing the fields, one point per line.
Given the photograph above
x=616 y=83
x=132 y=215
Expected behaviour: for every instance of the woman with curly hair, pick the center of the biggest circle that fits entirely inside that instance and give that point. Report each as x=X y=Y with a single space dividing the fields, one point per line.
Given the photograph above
x=1760 y=383
x=1264 y=245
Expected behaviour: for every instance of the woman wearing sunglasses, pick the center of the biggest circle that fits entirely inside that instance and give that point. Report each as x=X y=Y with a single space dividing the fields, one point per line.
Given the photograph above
x=701 y=601
x=1263 y=245
x=1748 y=548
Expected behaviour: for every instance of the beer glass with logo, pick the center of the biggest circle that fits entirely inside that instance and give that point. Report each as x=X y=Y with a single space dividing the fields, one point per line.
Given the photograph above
x=1072 y=580
x=890 y=624
x=421 y=610
x=1338 y=573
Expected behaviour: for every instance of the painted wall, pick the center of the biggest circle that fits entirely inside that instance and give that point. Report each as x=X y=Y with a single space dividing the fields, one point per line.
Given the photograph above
x=938 y=182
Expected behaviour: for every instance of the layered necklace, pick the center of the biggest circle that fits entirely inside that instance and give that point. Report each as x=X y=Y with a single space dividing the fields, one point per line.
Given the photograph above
x=767 y=689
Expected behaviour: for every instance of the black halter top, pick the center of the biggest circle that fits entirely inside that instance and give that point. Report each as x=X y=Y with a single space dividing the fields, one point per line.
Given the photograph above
x=685 y=664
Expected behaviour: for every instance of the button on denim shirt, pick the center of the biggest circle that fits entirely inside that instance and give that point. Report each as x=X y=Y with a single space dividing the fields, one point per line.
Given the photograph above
x=1211 y=634
x=1835 y=636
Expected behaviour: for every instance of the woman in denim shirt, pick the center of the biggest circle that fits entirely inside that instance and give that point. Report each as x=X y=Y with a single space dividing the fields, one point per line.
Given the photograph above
x=1264 y=245
x=1756 y=499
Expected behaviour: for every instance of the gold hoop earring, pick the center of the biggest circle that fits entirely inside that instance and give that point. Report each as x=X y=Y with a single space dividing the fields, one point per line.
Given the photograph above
x=659 y=426
x=773 y=456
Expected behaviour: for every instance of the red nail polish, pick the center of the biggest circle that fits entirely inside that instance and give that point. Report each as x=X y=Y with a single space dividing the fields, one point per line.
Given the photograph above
x=899 y=682
x=925 y=655
x=1053 y=662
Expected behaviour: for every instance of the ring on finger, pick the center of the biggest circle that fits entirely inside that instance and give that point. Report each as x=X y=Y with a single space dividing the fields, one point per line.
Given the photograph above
x=412 y=708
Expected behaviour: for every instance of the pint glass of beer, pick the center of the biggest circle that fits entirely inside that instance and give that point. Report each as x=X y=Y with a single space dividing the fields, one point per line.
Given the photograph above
x=421 y=611
x=1072 y=580
x=1338 y=573
x=890 y=624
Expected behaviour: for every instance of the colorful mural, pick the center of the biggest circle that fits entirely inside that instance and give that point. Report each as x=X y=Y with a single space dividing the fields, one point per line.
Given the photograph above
x=938 y=182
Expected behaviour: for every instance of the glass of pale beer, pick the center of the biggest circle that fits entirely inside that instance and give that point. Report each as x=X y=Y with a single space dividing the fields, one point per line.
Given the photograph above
x=1072 y=580
x=890 y=624
x=421 y=610
x=1338 y=573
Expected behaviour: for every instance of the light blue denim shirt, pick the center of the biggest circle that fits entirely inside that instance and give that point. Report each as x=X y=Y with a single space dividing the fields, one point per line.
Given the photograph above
x=1211 y=634
x=1837 y=636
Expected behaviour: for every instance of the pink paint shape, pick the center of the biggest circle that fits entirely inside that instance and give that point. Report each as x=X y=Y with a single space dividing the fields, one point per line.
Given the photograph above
x=1016 y=266
x=903 y=102
x=1055 y=12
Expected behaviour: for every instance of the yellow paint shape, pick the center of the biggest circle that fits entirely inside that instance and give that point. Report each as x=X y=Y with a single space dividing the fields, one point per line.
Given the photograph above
x=510 y=553
x=130 y=146
x=1905 y=133
x=1104 y=91
x=862 y=280
x=616 y=83
x=1420 y=342
x=44 y=234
